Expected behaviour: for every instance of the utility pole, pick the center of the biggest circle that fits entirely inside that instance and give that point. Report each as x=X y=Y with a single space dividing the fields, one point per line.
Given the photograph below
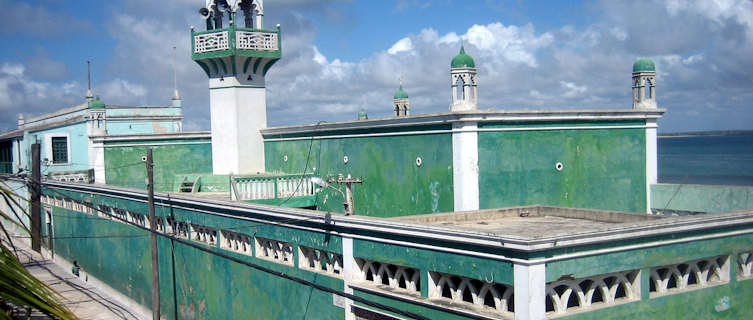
x=36 y=195
x=153 y=233
x=348 y=181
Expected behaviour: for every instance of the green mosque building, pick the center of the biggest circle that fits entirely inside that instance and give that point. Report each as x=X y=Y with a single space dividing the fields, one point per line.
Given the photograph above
x=465 y=214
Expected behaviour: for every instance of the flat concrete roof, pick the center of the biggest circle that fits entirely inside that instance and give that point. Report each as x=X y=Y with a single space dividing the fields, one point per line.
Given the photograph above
x=532 y=222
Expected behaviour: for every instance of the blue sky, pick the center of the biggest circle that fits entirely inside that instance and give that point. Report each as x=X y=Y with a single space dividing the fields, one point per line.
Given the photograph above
x=342 y=56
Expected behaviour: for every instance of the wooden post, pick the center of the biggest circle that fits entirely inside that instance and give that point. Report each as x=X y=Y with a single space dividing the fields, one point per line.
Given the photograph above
x=36 y=195
x=153 y=233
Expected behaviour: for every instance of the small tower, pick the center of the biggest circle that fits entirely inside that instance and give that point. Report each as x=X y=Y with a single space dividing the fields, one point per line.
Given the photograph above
x=236 y=52
x=362 y=115
x=464 y=82
x=96 y=118
x=644 y=84
x=401 y=102
x=21 y=120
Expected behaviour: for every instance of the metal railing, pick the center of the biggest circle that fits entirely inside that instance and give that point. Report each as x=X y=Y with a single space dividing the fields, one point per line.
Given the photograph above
x=271 y=187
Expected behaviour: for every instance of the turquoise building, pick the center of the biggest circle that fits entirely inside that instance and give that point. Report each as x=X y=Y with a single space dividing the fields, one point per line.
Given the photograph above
x=463 y=214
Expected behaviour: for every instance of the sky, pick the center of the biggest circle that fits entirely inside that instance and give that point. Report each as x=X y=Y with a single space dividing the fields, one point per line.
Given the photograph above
x=339 y=57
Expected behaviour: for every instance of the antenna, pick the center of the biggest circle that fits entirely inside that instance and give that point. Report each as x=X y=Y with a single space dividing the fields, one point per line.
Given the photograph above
x=89 y=94
x=176 y=96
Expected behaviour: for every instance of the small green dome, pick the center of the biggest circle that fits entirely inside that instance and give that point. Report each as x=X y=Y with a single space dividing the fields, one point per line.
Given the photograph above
x=400 y=93
x=462 y=60
x=644 y=64
x=362 y=115
x=97 y=104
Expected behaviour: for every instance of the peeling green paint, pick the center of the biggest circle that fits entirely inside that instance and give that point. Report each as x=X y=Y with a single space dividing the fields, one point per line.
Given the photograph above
x=393 y=184
x=124 y=167
x=701 y=198
x=206 y=286
x=601 y=168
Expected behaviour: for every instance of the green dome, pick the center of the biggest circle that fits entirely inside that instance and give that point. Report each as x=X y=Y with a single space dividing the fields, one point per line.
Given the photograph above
x=362 y=115
x=644 y=64
x=97 y=104
x=401 y=94
x=462 y=60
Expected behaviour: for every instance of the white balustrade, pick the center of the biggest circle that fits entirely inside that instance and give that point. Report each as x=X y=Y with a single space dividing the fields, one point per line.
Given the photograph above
x=471 y=293
x=208 y=42
x=322 y=261
x=745 y=265
x=255 y=40
x=689 y=275
x=273 y=250
x=573 y=295
x=405 y=279
x=234 y=241
x=264 y=188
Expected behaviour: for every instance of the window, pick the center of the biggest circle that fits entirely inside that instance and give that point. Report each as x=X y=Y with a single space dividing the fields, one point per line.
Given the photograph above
x=57 y=148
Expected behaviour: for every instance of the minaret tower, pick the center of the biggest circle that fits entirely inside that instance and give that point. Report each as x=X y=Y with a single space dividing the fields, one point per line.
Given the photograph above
x=96 y=115
x=236 y=57
x=401 y=102
x=644 y=84
x=464 y=82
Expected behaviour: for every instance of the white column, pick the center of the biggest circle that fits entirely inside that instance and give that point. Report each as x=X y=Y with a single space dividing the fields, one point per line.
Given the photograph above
x=465 y=165
x=238 y=111
x=349 y=274
x=97 y=161
x=652 y=171
x=530 y=291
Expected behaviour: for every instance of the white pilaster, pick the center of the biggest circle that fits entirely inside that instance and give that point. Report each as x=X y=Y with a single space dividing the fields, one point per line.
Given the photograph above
x=530 y=291
x=238 y=111
x=97 y=161
x=652 y=171
x=349 y=274
x=465 y=165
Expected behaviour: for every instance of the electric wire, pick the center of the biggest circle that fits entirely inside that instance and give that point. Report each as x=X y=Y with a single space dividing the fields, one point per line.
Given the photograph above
x=214 y=251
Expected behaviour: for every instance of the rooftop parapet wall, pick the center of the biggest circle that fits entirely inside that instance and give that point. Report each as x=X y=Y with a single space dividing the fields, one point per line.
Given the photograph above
x=694 y=198
x=426 y=122
x=636 y=247
x=602 y=154
x=174 y=154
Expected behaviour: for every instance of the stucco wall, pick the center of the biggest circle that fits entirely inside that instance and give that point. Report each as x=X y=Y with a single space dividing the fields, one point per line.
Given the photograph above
x=701 y=198
x=124 y=167
x=393 y=185
x=601 y=169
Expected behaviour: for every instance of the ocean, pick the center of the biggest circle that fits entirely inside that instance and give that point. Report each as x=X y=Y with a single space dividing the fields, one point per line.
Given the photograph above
x=717 y=160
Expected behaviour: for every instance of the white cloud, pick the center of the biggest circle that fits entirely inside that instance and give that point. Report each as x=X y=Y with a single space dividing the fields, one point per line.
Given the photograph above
x=571 y=89
x=402 y=45
x=514 y=44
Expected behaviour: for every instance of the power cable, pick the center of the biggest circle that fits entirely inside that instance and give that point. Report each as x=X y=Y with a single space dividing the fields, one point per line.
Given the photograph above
x=265 y=269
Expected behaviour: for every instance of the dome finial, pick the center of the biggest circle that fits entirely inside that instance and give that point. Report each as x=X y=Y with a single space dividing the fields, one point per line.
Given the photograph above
x=462 y=60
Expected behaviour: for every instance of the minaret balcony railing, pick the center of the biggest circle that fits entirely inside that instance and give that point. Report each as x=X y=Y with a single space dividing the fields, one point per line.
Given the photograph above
x=235 y=41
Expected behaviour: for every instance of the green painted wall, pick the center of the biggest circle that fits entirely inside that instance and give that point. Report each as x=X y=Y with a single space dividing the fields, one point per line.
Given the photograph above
x=123 y=165
x=602 y=169
x=198 y=285
x=430 y=260
x=697 y=304
x=194 y=284
x=393 y=185
x=703 y=198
